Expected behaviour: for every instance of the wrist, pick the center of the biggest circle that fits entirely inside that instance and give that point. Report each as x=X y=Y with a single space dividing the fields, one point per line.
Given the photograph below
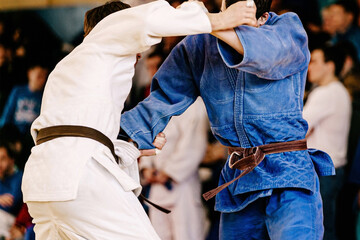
x=217 y=21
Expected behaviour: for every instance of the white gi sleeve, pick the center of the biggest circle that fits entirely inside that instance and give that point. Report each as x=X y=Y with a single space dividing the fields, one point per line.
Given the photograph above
x=135 y=29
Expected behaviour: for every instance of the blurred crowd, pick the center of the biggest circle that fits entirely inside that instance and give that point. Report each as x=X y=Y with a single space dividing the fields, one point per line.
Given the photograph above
x=188 y=165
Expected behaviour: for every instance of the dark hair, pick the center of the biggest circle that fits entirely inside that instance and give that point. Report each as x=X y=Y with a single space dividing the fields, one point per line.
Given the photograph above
x=349 y=50
x=9 y=149
x=9 y=136
x=336 y=55
x=95 y=15
x=349 y=7
x=262 y=6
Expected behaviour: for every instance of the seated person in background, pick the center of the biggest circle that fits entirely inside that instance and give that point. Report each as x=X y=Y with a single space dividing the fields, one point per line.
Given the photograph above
x=10 y=189
x=23 y=104
x=23 y=228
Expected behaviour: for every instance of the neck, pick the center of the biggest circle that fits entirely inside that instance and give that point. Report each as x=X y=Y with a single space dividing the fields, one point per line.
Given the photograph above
x=327 y=80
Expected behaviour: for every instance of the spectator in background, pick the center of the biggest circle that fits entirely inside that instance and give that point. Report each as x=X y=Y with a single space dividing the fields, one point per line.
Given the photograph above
x=151 y=64
x=328 y=112
x=350 y=191
x=343 y=16
x=10 y=188
x=324 y=3
x=355 y=179
x=14 y=138
x=350 y=76
x=351 y=59
x=210 y=170
x=23 y=104
x=173 y=175
x=23 y=228
x=6 y=82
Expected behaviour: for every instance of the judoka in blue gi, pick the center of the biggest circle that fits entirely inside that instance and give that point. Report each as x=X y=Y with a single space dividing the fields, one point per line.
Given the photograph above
x=253 y=91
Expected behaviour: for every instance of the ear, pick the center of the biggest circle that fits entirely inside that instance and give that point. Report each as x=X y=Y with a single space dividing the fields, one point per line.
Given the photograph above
x=350 y=18
x=331 y=66
x=262 y=20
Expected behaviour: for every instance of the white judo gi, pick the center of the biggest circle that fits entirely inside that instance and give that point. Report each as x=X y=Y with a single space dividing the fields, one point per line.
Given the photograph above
x=180 y=159
x=72 y=185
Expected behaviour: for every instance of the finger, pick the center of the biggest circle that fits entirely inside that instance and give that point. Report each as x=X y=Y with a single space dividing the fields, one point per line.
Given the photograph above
x=159 y=143
x=160 y=139
x=147 y=152
x=250 y=3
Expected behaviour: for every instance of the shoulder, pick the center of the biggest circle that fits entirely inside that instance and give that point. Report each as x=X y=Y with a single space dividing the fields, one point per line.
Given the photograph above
x=338 y=89
x=320 y=93
x=286 y=18
x=19 y=89
x=17 y=177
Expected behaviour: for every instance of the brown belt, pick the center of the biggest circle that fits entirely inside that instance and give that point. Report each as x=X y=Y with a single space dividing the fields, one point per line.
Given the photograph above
x=49 y=133
x=247 y=159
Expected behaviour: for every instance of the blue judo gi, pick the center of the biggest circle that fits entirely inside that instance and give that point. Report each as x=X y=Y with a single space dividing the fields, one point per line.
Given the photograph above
x=251 y=100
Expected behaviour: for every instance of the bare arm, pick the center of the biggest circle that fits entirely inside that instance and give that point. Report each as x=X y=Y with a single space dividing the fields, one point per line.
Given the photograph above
x=237 y=14
x=229 y=36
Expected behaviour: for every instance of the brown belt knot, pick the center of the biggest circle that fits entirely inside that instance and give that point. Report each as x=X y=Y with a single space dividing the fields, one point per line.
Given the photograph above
x=246 y=159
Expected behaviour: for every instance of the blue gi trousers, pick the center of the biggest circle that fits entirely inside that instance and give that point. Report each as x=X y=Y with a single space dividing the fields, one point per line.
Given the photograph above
x=288 y=214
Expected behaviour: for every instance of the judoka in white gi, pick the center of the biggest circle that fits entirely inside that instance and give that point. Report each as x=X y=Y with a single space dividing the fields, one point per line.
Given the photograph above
x=72 y=185
x=174 y=178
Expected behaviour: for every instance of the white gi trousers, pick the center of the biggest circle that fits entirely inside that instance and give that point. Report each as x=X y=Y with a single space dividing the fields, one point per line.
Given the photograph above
x=120 y=216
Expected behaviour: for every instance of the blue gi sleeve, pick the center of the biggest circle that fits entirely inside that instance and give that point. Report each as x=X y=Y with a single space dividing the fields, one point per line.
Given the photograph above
x=273 y=51
x=173 y=90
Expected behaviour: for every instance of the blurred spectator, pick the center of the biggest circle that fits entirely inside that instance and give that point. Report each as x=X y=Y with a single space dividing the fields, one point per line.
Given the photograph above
x=328 y=112
x=348 y=196
x=210 y=170
x=342 y=16
x=14 y=138
x=324 y=3
x=139 y=92
x=355 y=180
x=23 y=104
x=10 y=189
x=351 y=61
x=306 y=9
x=174 y=178
x=153 y=63
x=309 y=15
x=6 y=81
x=350 y=75
x=23 y=227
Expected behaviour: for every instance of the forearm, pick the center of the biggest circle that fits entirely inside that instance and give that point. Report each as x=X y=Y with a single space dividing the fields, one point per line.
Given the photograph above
x=230 y=38
x=237 y=14
x=171 y=94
